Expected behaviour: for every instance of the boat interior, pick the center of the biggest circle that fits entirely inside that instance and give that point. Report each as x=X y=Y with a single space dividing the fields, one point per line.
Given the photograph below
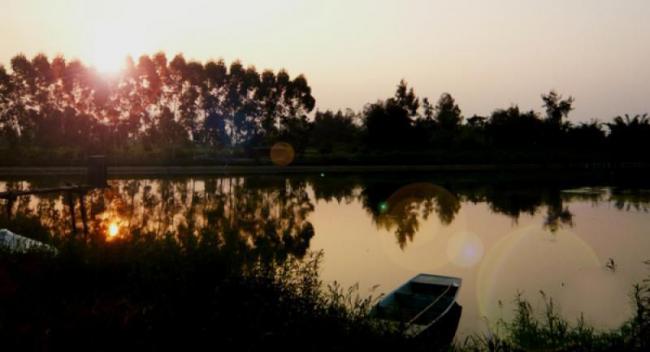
x=418 y=302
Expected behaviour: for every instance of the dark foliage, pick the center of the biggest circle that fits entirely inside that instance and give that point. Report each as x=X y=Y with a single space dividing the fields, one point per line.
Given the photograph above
x=160 y=112
x=181 y=293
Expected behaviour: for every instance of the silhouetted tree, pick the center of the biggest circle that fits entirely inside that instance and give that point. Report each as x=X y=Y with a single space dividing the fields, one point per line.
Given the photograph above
x=406 y=99
x=477 y=121
x=389 y=123
x=556 y=107
x=9 y=126
x=630 y=135
x=59 y=107
x=510 y=128
x=447 y=112
x=588 y=136
x=153 y=101
x=334 y=130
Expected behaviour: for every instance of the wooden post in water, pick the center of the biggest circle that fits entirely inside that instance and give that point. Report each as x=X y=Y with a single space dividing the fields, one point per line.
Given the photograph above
x=70 y=200
x=82 y=208
x=10 y=205
x=97 y=178
x=97 y=171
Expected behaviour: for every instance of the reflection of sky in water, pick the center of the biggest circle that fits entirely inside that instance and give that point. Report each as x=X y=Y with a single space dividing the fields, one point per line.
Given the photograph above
x=384 y=235
x=498 y=257
x=465 y=249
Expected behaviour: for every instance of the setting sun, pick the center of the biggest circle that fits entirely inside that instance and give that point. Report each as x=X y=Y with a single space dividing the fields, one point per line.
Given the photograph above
x=112 y=44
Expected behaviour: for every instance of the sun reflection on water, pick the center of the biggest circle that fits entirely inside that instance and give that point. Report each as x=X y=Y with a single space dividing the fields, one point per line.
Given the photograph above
x=113 y=230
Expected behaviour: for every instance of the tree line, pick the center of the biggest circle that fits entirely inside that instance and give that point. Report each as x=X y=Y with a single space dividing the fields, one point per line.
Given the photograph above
x=173 y=105
x=407 y=120
x=154 y=101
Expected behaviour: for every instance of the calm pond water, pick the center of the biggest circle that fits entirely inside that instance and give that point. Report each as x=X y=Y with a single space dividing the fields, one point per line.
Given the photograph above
x=582 y=241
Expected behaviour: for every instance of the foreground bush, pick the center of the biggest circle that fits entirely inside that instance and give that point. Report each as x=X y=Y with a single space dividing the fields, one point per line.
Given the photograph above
x=551 y=332
x=167 y=294
x=186 y=293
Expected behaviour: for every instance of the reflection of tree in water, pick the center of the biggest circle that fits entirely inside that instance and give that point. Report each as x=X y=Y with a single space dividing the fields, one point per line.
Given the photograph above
x=515 y=201
x=268 y=216
x=557 y=215
x=269 y=219
x=46 y=210
x=341 y=189
x=630 y=199
x=402 y=208
x=418 y=202
x=278 y=208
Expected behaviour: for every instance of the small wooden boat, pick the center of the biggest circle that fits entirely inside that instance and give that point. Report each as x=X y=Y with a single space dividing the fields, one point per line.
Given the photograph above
x=424 y=306
x=18 y=243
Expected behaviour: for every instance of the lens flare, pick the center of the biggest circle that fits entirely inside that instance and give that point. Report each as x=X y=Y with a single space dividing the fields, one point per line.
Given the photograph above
x=465 y=249
x=530 y=260
x=282 y=154
x=419 y=220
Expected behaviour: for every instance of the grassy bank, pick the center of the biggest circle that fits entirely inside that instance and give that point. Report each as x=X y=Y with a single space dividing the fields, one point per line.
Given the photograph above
x=548 y=331
x=221 y=170
x=185 y=292
x=176 y=293
x=33 y=156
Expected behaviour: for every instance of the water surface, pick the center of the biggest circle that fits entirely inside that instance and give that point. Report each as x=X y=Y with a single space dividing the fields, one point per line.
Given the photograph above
x=582 y=241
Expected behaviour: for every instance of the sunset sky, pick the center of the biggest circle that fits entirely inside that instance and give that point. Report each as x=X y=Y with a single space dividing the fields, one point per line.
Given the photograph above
x=487 y=54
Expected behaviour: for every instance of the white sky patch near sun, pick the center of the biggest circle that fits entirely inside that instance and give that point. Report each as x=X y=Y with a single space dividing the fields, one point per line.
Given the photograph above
x=111 y=45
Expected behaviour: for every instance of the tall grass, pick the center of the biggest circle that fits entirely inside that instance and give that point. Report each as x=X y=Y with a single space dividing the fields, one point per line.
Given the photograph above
x=528 y=332
x=173 y=293
x=206 y=292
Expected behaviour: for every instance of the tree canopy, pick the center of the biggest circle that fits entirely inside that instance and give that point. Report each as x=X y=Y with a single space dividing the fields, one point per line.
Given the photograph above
x=154 y=101
x=157 y=104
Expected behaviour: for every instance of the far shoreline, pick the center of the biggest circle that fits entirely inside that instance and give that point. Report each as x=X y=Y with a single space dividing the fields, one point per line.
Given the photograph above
x=222 y=170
